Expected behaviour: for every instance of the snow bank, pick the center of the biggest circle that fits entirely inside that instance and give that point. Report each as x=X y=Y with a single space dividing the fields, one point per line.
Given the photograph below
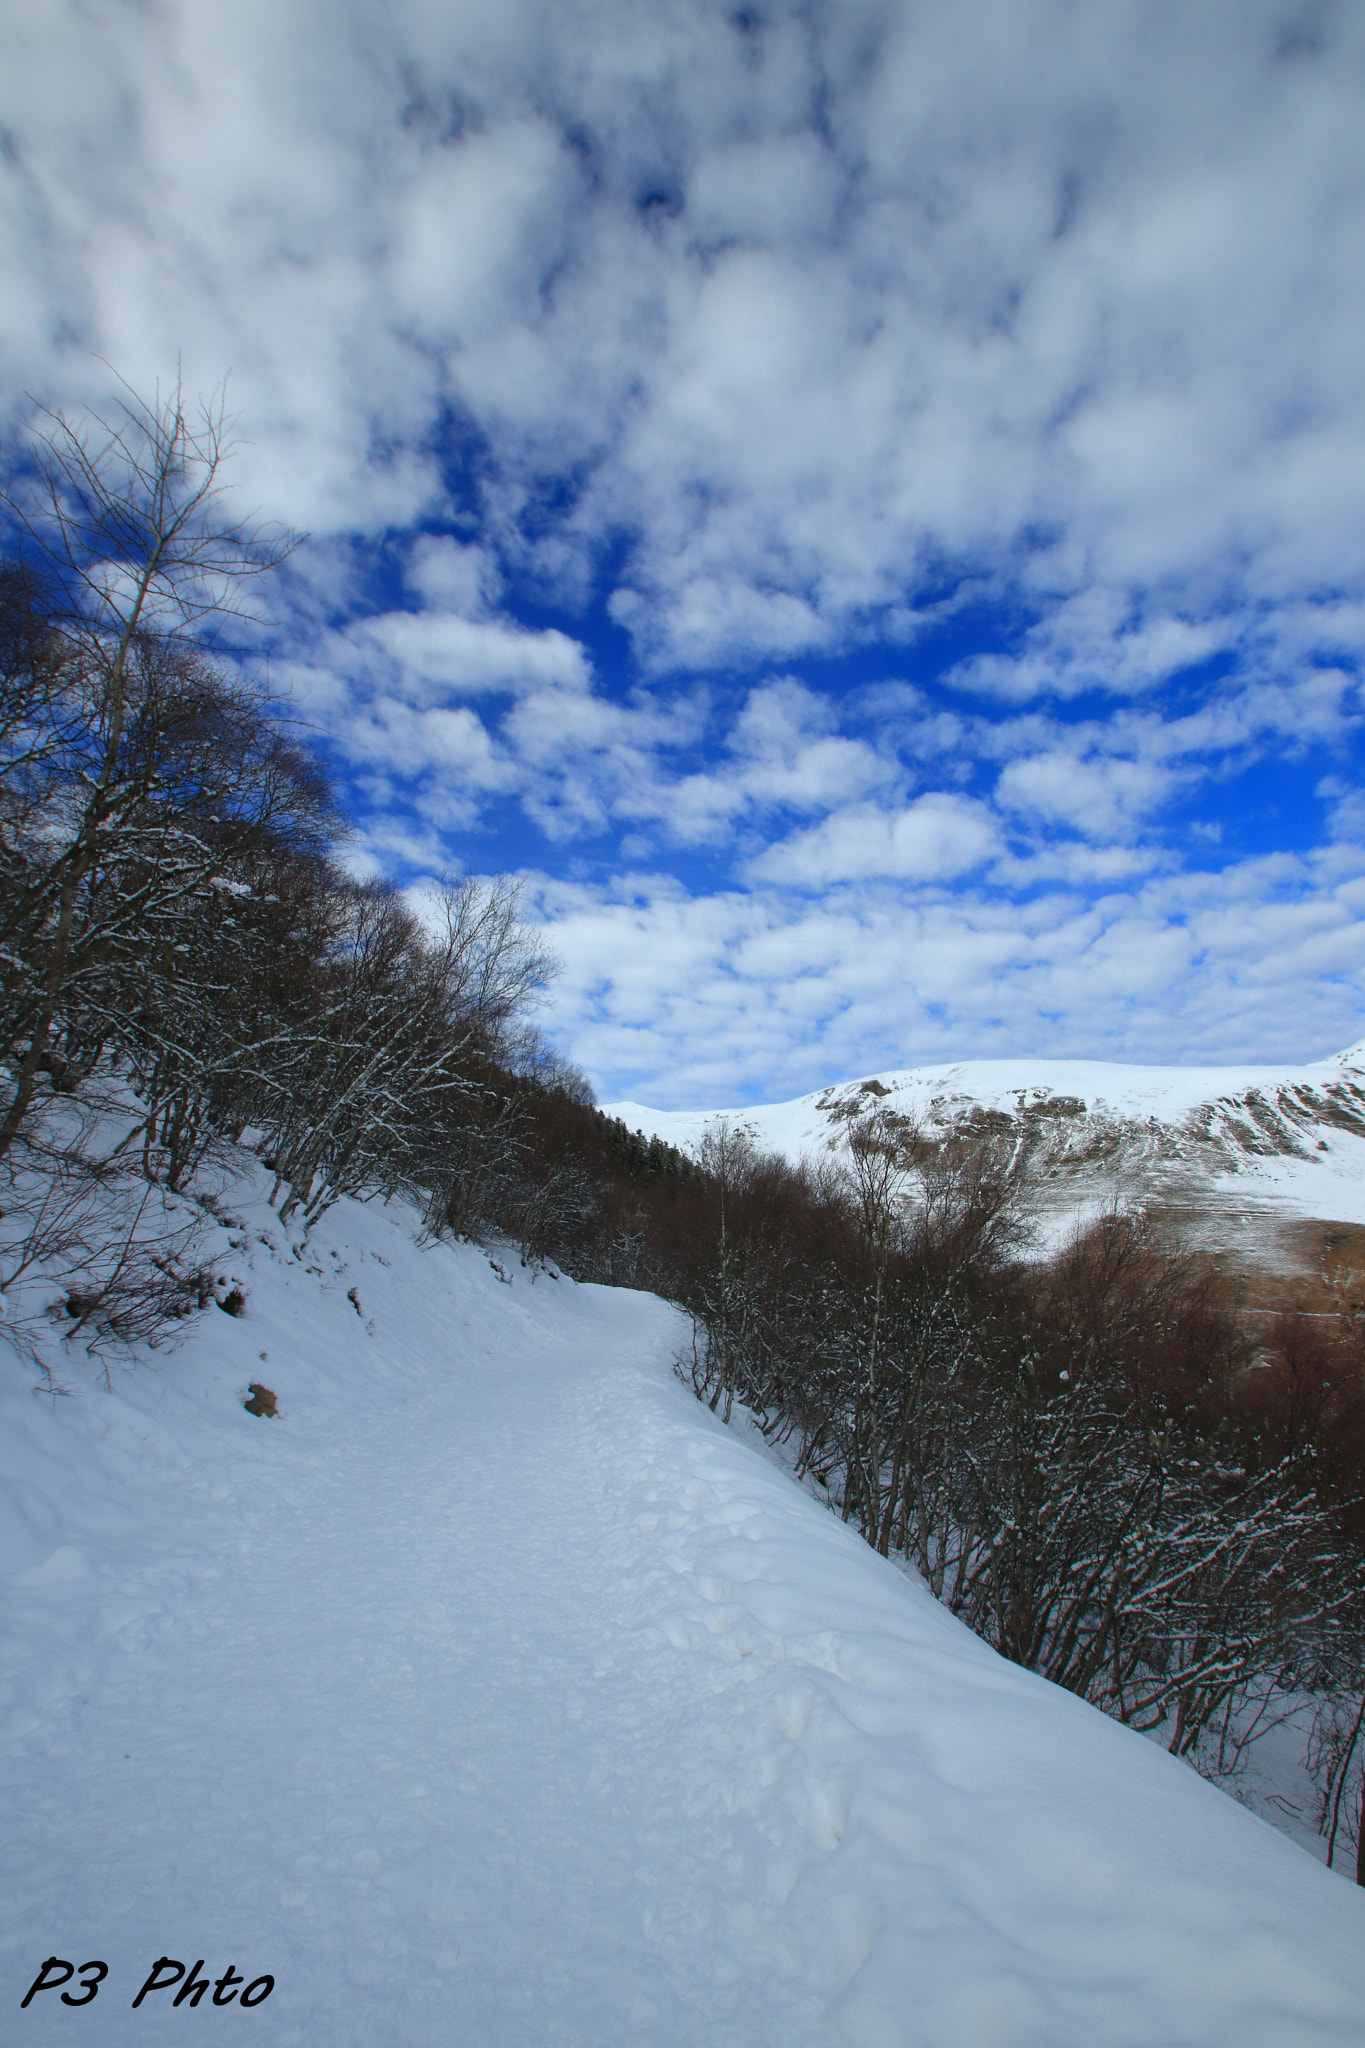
x=494 y=1694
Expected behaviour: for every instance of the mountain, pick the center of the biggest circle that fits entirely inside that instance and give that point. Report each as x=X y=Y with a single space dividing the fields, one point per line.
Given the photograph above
x=1265 y=1164
x=490 y=1691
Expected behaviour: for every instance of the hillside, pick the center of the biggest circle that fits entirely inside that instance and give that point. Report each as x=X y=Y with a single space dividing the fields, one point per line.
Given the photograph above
x=1247 y=1160
x=494 y=1693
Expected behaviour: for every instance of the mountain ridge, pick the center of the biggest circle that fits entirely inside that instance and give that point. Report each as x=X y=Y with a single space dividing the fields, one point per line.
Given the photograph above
x=1239 y=1158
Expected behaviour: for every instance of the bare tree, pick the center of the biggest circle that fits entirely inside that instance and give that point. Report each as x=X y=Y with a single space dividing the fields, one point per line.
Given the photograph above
x=125 y=520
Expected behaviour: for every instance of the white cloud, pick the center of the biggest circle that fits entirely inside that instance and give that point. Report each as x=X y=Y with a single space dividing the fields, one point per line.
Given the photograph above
x=394 y=736
x=780 y=189
x=1345 y=808
x=1080 y=864
x=1093 y=641
x=921 y=284
x=590 y=761
x=383 y=683
x=1103 y=798
x=755 y=995
x=454 y=576
x=936 y=837
x=477 y=225
x=587 y=760
x=435 y=652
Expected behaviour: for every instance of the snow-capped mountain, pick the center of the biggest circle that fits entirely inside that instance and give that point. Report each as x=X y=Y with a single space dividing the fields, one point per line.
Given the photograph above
x=1239 y=1155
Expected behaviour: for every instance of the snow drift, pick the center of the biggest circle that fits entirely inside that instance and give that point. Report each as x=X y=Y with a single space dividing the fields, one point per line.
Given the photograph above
x=494 y=1694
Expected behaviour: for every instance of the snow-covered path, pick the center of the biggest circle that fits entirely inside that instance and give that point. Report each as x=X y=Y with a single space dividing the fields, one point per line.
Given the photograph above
x=496 y=1695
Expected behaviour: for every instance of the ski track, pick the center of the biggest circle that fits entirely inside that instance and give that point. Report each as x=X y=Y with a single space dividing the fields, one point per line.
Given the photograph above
x=496 y=1694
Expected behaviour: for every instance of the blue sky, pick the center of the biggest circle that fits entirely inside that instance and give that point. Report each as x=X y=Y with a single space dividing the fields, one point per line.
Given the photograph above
x=862 y=505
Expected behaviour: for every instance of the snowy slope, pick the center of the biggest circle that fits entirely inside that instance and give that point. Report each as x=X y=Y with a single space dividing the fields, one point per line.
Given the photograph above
x=495 y=1694
x=1225 y=1145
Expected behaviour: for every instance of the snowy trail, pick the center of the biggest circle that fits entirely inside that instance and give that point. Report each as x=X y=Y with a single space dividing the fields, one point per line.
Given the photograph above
x=496 y=1695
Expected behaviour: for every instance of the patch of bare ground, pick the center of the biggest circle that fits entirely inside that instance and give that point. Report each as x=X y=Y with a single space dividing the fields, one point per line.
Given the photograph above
x=1275 y=1263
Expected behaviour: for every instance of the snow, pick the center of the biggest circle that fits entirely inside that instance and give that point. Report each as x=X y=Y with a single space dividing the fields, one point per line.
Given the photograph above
x=1166 y=1093
x=1189 y=1116
x=496 y=1694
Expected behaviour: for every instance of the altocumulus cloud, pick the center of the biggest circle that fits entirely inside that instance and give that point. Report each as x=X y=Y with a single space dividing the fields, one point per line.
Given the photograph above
x=934 y=838
x=862 y=503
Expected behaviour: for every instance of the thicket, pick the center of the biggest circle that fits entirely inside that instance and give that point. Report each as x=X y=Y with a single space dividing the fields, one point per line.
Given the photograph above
x=1089 y=1459
x=1097 y=1460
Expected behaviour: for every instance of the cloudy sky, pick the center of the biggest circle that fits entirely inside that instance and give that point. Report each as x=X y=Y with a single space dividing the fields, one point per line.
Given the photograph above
x=862 y=503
